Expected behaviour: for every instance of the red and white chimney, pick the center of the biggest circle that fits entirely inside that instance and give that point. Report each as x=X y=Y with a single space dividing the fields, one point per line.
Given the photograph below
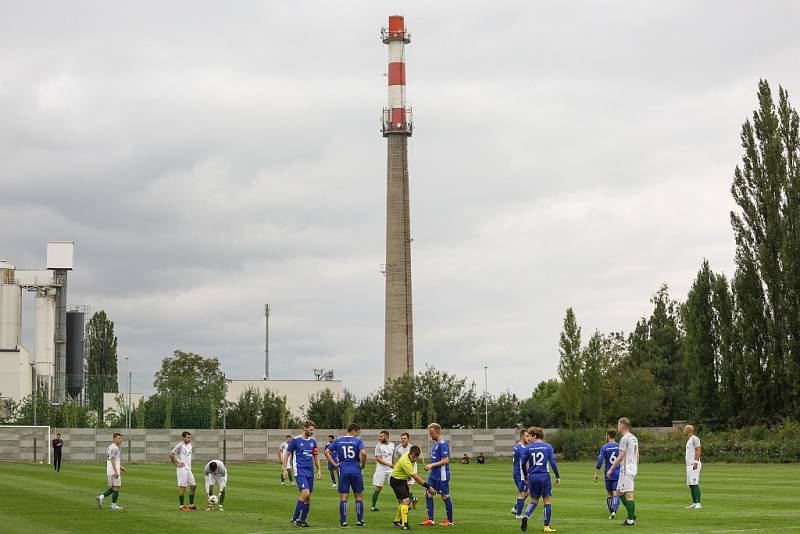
x=397 y=117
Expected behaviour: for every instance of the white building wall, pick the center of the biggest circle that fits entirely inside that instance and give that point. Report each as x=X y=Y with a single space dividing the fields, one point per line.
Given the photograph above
x=296 y=392
x=15 y=374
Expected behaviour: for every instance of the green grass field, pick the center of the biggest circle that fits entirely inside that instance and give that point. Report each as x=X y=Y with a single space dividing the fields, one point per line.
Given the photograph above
x=737 y=498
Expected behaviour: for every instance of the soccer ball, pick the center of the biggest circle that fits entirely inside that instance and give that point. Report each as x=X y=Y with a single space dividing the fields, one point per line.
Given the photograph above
x=213 y=499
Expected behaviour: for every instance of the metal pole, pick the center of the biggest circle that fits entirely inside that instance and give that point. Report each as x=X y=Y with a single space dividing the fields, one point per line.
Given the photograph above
x=224 y=433
x=486 y=393
x=130 y=377
x=266 y=343
x=35 y=402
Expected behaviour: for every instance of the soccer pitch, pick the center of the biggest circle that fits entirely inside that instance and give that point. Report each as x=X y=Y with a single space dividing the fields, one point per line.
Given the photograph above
x=737 y=498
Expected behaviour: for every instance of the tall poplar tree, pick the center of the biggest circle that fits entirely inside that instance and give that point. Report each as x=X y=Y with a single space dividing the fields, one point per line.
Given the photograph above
x=102 y=362
x=570 y=369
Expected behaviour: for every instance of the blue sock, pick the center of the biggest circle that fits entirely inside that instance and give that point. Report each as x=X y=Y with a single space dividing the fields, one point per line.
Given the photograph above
x=333 y=476
x=359 y=511
x=615 y=503
x=531 y=508
x=448 y=506
x=610 y=503
x=520 y=504
x=304 y=513
x=429 y=503
x=297 y=508
x=548 y=512
x=342 y=511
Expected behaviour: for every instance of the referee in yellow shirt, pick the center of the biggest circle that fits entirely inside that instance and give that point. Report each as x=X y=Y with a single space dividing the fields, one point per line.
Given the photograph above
x=404 y=471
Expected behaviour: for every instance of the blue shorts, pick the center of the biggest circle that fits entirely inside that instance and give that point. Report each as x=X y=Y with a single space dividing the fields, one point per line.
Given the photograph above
x=304 y=482
x=348 y=481
x=611 y=485
x=540 y=487
x=441 y=486
x=522 y=486
x=331 y=467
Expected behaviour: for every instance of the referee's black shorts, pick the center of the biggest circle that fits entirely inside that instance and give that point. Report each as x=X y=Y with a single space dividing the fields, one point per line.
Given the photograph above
x=400 y=488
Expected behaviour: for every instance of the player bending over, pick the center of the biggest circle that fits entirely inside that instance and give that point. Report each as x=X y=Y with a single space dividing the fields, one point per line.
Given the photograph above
x=538 y=455
x=215 y=473
x=305 y=457
x=609 y=453
x=113 y=473
x=403 y=471
x=351 y=456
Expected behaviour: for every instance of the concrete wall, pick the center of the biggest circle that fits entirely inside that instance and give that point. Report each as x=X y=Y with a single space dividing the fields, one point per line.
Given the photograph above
x=153 y=445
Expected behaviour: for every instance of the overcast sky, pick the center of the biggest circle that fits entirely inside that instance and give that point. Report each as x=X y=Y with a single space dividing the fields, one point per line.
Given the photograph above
x=208 y=157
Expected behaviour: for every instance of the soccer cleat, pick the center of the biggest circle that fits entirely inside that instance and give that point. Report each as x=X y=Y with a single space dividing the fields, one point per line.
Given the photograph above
x=613 y=515
x=361 y=523
x=523 y=526
x=374 y=509
x=183 y=508
x=690 y=507
x=514 y=511
x=626 y=524
x=343 y=525
x=209 y=509
x=334 y=486
x=697 y=506
x=115 y=506
x=221 y=509
x=548 y=529
x=192 y=507
x=302 y=524
x=398 y=524
x=405 y=527
x=99 y=500
x=428 y=523
x=446 y=523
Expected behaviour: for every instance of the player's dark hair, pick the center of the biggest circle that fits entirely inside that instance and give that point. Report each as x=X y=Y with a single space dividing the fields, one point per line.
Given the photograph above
x=536 y=432
x=186 y=433
x=212 y=466
x=522 y=433
x=115 y=435
x=331 y=436
x=611 y=434
x=353 y=427
x=385 y=432
x=405 y=434
x=287 y=436
x=309 y=423
x=414 y=450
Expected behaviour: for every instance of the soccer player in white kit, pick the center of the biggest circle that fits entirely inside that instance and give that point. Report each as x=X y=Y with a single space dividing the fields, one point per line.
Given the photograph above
x=628 y=460
x=693 y=465
x=216 y=473
x=286 y=460
x=384 y=462
x=113 y=473
x=181 y=456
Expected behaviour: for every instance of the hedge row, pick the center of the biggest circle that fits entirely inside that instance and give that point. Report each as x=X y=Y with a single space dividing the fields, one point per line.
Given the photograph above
x=779 y=444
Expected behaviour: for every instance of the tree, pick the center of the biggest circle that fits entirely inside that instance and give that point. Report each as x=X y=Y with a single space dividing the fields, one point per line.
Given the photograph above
x=193 y=388
x=542 y=408
x=503 y=411
x=594 y=367
x=766 y=189
x=102 y=362
x=570 y=369
x=327 y=411
x=635 y=395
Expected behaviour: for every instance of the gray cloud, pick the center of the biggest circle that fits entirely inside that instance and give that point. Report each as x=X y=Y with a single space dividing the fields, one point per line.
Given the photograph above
x=209 y=158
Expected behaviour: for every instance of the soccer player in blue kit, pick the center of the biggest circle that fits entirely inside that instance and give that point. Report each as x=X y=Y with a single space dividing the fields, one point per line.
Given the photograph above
x=520 y=456
x=539 y=455
x=439 y=479
x=351 y=459
x=609 y=453
x=332 y=469
x=305 y=457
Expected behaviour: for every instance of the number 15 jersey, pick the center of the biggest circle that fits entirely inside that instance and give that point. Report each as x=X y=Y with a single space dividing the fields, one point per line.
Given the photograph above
x=348 y=449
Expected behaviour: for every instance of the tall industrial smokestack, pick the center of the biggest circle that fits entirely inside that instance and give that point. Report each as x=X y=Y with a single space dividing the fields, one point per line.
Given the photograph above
x=397 y=128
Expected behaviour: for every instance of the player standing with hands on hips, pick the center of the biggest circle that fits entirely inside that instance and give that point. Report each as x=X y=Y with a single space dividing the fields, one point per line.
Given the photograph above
x=181 y=456
x=693 y=466
x=351 y=458
x=305 y=456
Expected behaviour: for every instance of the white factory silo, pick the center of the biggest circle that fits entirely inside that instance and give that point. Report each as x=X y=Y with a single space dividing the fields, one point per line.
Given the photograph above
x=44 y=331
x=10 y=309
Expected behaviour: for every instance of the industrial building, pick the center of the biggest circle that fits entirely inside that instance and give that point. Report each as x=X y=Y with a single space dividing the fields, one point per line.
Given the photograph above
x=56 y=367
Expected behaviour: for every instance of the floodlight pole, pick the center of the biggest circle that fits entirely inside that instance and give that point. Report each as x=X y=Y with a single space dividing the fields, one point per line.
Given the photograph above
x=486 y=393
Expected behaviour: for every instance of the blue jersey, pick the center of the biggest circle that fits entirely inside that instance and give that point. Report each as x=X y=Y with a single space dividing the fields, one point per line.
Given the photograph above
x=334 y=454
x=303 y=452
x=540 y=458
x=348 y=450
x=520 y=457
x=440 y=450
x=609 y=453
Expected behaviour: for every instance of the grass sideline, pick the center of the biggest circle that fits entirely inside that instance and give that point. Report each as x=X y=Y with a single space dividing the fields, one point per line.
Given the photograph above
x=737 y=498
